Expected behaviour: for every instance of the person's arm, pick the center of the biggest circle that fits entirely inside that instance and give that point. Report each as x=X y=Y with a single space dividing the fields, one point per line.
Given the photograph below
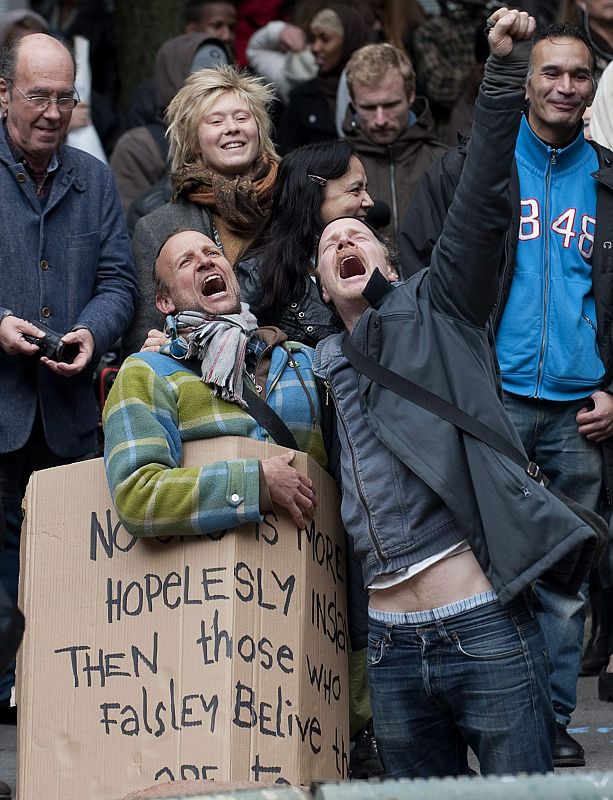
x=137 y=164
x=155 y=496
x=109 y=311
x=463 y=276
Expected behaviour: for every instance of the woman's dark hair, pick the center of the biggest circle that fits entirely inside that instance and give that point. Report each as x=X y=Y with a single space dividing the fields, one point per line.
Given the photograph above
x=291 y=239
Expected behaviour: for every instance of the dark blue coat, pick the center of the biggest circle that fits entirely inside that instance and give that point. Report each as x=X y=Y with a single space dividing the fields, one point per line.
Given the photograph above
x=66 y=264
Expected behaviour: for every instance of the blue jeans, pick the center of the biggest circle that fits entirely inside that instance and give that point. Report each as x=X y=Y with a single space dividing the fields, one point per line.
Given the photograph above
x=548 y=430
x=476 y=678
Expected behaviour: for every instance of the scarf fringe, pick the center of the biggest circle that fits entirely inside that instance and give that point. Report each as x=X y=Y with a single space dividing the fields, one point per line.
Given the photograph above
x=220 y=344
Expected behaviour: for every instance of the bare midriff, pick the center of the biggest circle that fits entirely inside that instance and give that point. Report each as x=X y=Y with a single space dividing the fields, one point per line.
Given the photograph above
x=448 y=581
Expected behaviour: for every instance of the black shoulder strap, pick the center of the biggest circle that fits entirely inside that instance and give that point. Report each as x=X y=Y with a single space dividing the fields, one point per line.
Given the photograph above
x=268 y=419
x=437 y=405
x=261 y=412
x=479 y=430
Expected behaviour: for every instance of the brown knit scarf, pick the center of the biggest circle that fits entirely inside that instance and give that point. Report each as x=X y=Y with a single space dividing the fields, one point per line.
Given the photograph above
x=244 y=202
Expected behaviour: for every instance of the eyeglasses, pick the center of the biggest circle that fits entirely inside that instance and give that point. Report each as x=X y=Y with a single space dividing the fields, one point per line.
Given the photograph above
x=42 y=102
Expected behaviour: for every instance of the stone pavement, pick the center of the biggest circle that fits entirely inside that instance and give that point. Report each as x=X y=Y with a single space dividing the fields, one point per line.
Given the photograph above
x=592 y=725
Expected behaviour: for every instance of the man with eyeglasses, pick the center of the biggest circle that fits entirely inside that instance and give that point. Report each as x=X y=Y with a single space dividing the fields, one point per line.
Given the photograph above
x=65 y=263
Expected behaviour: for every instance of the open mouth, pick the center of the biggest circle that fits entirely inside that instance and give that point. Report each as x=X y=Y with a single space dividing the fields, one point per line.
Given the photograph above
x=232 y=145
x=350 y=267
x=213 y=284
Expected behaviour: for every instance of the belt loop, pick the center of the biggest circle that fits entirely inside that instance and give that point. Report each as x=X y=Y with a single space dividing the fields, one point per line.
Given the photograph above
x=528 y=597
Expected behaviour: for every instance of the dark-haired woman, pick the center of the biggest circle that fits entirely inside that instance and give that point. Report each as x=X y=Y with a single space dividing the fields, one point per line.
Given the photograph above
x=315 y=184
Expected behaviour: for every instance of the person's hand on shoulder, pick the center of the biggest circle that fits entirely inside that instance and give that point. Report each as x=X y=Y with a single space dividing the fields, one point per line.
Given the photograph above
x=155 y=339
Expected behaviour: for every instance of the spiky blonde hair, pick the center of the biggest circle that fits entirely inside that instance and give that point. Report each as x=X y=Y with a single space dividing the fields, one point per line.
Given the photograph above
x=195 y=99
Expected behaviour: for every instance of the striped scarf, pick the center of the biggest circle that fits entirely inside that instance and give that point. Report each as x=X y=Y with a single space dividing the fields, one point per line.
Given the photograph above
x=218 y=342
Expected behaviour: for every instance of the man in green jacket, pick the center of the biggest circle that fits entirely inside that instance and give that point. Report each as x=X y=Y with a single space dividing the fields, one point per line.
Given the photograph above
x=197 y=388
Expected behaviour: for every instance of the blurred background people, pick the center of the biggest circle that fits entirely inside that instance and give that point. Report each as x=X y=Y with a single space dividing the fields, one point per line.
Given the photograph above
x=139 y=159
x=279 y=53
x=334 y=33
x=443 y=51
x=215 y=18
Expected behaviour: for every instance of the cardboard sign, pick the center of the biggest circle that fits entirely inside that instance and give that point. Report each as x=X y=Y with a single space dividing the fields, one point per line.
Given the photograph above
x=181 y=658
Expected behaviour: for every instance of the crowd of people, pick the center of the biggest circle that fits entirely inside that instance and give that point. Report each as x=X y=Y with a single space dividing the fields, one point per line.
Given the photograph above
x=346 y=207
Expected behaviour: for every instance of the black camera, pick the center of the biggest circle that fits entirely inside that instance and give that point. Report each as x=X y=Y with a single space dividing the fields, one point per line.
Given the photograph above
x=52 y=346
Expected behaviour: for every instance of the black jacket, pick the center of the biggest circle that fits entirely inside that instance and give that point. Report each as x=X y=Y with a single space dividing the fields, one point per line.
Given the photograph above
x=306 y=118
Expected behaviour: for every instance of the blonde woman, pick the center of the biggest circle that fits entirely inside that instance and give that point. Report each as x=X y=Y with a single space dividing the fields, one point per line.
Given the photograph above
x=223 y=168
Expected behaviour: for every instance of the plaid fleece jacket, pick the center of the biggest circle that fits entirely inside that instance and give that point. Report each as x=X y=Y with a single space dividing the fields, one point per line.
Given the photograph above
x=444 y=49
x=157 y=403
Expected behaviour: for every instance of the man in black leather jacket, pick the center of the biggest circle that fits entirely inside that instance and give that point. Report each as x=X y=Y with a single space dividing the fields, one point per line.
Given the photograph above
x=535 y=260
x=450 y=532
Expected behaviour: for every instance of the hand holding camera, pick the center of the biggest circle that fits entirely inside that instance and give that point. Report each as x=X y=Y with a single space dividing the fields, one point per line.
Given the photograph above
x=51 y=346
x=65 y=355
x=83 y=341
x=12 y=332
